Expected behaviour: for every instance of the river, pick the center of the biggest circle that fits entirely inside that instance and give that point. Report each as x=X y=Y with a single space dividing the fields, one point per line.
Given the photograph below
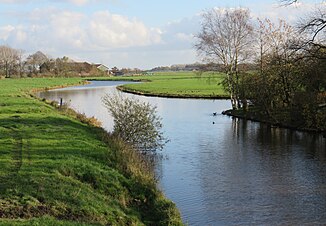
x=224 y=171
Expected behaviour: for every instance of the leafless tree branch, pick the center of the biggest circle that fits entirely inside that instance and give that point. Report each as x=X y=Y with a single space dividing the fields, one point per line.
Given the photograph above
x=288 y=2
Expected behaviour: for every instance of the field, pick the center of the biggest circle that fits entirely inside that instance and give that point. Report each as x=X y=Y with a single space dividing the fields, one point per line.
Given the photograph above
x=58 y=168
x=177 y=84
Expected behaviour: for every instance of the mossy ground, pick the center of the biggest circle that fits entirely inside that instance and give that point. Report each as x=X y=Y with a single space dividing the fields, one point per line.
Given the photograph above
x=57 y=170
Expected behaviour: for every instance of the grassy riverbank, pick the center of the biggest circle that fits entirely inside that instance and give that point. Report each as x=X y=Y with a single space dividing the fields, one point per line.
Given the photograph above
x=57 y=170
x=177 y=84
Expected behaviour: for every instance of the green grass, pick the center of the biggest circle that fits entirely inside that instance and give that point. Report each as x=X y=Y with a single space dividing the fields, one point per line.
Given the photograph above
x=57 y=170
x=177 y=84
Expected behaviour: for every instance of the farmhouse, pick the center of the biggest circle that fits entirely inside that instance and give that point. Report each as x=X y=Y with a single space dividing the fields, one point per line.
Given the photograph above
x=102 y=68
x=73 y=68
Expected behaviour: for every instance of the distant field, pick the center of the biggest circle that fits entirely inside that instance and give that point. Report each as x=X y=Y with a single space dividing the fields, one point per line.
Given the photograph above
x=177 y=84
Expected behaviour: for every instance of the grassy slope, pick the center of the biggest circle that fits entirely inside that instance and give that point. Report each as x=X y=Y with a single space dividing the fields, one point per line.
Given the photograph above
x=56 y=170
x=178 y=84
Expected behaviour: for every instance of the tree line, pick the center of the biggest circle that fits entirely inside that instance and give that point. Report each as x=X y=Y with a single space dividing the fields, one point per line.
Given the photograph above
x=288 y=84
x=13 y=63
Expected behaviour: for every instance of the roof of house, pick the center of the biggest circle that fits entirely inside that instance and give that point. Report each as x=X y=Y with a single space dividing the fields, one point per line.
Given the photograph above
x=101 y=66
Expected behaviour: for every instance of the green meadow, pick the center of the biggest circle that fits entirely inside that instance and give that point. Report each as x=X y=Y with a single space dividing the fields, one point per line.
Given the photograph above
x=57 y=167
x=177 y=84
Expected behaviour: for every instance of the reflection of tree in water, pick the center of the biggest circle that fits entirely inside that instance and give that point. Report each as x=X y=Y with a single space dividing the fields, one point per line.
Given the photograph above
x=272 y=138
x=258 y=174
x=157 y=164
x=280 y=139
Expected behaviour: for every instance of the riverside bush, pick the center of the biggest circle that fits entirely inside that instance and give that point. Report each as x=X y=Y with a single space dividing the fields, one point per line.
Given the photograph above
x=135 y=122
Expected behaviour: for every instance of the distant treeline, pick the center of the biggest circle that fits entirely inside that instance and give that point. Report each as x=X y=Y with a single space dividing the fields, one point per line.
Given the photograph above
x=13 y=63
x=202 y=67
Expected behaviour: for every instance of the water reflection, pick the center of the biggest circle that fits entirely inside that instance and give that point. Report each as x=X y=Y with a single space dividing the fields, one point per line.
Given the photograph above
x=266 y=174
x=224 y=171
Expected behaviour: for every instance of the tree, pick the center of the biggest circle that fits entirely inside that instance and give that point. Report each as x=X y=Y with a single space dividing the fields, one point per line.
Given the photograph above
x=288 y=2
x=61 y=66
x=272 y=40
x=290 y=86
x=262 y=42
x=115 y=71
x=8 y=59
x=20 y=62
x=275 y=83
x=135 y=122
x=314 y=26
x=226 y=37
x=35 y=61
x=311 y=100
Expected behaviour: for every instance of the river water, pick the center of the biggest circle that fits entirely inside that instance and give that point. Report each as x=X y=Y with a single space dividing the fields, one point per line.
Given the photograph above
x=224 y=171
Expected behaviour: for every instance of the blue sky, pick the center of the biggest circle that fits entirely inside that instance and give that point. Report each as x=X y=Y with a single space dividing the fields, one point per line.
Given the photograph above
x=123 y=33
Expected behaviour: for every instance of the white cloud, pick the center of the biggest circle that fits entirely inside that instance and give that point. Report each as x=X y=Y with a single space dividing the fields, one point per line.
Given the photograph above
x=19 y=36
x=116 y=31
x=102 y=37
x=67 y=31
x=180 y=34
x=75 y=2
x=78 y=2
x=185 y=37
x=12 y=1
x=5 y=31
x=290 y=13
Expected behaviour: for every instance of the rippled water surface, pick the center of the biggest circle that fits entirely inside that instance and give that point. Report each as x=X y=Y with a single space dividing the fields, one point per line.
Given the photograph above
x=224 y=171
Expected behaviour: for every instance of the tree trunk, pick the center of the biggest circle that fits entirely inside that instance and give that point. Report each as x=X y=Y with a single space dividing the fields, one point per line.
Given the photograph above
x=7 y=70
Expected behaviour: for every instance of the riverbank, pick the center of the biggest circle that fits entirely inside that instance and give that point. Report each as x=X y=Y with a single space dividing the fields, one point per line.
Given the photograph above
x=176 y=85
x=209 y=160
x=126 y=89
x=60 y=168
x=256 y=116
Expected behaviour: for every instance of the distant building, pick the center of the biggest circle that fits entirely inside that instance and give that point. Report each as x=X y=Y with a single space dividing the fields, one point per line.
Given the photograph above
x=80 y=67
x=59 y=66
x=102 y=68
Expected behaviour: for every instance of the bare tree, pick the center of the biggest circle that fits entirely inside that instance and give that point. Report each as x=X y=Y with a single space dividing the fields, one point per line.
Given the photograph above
x=314 y=26
x=275 y=84
x=262 y=37
x=280 y=58
x=288 y=2
x=226 y=38
x=274 y=40
x=36 y=60
x=8 y=59
x=20 y=62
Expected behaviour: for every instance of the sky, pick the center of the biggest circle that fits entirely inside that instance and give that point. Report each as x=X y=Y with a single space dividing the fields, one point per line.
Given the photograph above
x=124 y=33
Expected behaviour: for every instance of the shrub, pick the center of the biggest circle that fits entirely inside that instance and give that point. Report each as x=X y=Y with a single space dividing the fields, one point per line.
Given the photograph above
x=135 y=122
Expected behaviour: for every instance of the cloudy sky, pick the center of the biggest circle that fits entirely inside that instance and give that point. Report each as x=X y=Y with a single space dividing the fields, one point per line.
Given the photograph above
x=122 y=33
